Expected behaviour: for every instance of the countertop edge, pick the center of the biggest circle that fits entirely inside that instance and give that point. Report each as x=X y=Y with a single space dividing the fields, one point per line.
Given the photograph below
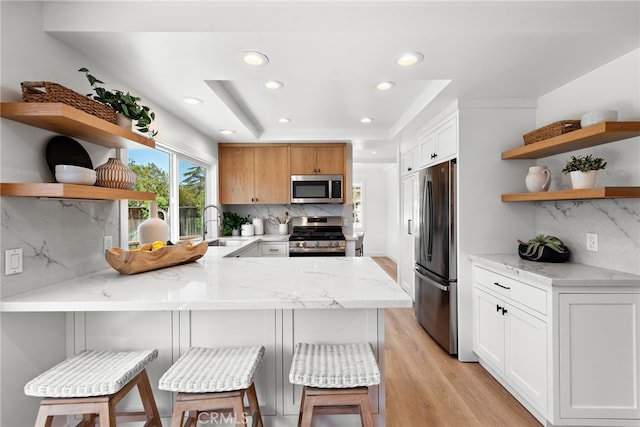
x=566 y=274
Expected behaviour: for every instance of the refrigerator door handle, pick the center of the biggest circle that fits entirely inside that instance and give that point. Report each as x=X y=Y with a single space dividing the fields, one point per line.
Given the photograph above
x=431 y=213
x=409 y=227
x=431 y=282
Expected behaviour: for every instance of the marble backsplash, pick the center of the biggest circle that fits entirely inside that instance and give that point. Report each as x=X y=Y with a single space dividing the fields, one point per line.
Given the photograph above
x=616 y=221
x=60 y=239
x=270 y=212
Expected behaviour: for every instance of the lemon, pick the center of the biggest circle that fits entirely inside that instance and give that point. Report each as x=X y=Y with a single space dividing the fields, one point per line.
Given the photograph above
x=157 y=245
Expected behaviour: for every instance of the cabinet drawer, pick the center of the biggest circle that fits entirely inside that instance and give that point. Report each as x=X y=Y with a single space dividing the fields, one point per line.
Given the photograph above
x=273 y=249
x=522 y=293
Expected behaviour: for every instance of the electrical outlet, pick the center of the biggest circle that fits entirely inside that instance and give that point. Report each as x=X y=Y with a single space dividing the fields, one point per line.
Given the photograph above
x=12 y=261
x=108 y=243
x=592 y=242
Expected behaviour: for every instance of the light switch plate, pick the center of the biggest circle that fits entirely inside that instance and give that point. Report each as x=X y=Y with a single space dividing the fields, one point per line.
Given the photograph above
x=592 y=242
x=108 y=243
x=12 y=261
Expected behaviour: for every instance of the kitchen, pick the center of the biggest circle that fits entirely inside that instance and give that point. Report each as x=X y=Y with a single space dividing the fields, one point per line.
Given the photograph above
x=488 y=125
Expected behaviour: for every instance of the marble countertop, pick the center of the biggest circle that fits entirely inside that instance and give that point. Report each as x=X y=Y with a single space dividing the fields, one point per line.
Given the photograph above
x=217 y=282
x=557 y=274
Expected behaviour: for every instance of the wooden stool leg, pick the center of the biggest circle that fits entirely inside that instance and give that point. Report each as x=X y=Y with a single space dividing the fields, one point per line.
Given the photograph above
x=43 y=420
x=106 y=416
x=192 y=419
x=365 y=412
x=238 y=411
x=148 y=402
x=254 y=407
x=307 y=411
x=302 y=399
x=178 y=415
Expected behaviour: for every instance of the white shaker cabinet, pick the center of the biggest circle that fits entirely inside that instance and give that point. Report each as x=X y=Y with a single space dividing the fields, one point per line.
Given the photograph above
x=564 y=339
x=510 y=335
x=409 y=205
x=599 y=349
x=439 y=143
x=409 y=161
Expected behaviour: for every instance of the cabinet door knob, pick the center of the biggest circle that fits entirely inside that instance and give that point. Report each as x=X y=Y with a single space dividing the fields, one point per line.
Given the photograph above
x=434 y=155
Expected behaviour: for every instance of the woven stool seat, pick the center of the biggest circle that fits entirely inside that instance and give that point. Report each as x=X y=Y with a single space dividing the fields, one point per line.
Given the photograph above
x=91 y=384
x=90 y=373
x=209 y=370
x=334 y=366
x=214 y=379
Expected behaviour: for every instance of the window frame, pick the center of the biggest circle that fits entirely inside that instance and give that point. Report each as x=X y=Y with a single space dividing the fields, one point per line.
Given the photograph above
x=174 y=200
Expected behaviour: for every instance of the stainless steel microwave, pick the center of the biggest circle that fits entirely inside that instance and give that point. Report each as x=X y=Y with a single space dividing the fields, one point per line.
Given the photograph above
x=316 y=189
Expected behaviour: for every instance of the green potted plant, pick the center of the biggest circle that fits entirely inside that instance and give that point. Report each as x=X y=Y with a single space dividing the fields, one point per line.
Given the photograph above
x=124 y=103
x=543 y=249
x=231 y=223
x=583 y=169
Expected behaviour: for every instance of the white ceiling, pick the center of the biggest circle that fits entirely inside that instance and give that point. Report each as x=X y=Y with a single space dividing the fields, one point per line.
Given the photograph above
x=330 y=55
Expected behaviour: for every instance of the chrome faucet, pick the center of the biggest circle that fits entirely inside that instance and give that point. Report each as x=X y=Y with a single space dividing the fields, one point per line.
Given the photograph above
x=204 y=221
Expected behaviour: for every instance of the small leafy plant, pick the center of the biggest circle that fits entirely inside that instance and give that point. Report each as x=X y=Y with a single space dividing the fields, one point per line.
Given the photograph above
x=232 y=221
x=123 y=103
x=535 y=247
x=584 y=164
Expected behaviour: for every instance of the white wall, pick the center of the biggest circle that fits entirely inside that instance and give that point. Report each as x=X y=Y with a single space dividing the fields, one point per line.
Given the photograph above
x=613 y=86
x=376 y=202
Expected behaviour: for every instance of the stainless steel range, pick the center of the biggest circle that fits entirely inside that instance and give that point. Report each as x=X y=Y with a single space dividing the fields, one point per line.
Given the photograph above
x=317 y=236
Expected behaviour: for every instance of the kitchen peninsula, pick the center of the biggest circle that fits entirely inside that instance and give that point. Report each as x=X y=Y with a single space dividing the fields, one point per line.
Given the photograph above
x=219 y=301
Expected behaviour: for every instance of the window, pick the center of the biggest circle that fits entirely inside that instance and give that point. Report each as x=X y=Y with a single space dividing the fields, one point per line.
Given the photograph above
x=358 y=220
x=180 y=186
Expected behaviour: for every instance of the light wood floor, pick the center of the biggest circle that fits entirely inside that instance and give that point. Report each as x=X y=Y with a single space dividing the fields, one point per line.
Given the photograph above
x=427 y=387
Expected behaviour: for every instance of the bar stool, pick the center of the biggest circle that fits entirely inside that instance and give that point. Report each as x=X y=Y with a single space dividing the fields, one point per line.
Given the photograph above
x=335 y=380
x=209 y=380
x=91 y=384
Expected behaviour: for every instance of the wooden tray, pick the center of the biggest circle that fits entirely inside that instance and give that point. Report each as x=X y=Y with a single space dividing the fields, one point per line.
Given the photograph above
x=132 y=262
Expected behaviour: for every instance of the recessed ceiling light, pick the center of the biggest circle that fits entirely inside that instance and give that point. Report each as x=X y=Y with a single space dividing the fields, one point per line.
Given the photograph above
x=284 y=120
x=385 y=85
x=192 y=101
x=366 y=120
x=255 y=59
x=273 y=84
x=227 y=131
x=410 y=58
x=374 y=152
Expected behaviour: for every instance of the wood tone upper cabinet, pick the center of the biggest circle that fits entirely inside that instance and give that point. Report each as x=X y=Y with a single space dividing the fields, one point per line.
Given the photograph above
x=253 y=174
x=315 y=159
x=237 y=174
x=272 y=174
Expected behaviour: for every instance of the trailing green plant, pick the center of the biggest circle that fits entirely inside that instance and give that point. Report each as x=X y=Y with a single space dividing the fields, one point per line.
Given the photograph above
x=124 y=103
x=584 y=164
x=535 y=246
x=232 y=221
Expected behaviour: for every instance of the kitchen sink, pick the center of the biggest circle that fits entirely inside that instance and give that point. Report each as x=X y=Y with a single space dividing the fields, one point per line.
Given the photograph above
x=227 y=242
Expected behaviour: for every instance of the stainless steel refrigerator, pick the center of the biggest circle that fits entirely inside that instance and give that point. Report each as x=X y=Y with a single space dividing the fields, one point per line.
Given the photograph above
x=436 y=266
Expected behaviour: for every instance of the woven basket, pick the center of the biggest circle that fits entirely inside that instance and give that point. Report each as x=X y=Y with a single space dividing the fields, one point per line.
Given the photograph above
x=549 y=131
x=53 y=92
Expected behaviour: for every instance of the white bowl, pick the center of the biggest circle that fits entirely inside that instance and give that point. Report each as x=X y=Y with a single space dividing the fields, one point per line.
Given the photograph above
x=74 y=169
x=83 y=178
x=597 y=117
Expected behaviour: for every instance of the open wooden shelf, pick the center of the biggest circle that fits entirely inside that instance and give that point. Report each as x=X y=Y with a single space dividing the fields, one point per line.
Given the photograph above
x=581 y=194
x=69 y=121
x=600 y=133
x=71 y=191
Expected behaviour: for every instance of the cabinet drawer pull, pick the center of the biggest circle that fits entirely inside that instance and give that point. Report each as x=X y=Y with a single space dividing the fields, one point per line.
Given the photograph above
x=498 y=308
x=273 y=250
x=502 y=286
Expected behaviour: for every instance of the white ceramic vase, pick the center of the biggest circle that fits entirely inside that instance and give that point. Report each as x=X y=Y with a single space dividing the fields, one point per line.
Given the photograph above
x=538 y=179
x=583 y=179
x=153 y=228
x=258 y=225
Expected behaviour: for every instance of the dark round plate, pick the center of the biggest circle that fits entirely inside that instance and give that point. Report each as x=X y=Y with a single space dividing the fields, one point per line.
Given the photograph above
x=62 y=150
